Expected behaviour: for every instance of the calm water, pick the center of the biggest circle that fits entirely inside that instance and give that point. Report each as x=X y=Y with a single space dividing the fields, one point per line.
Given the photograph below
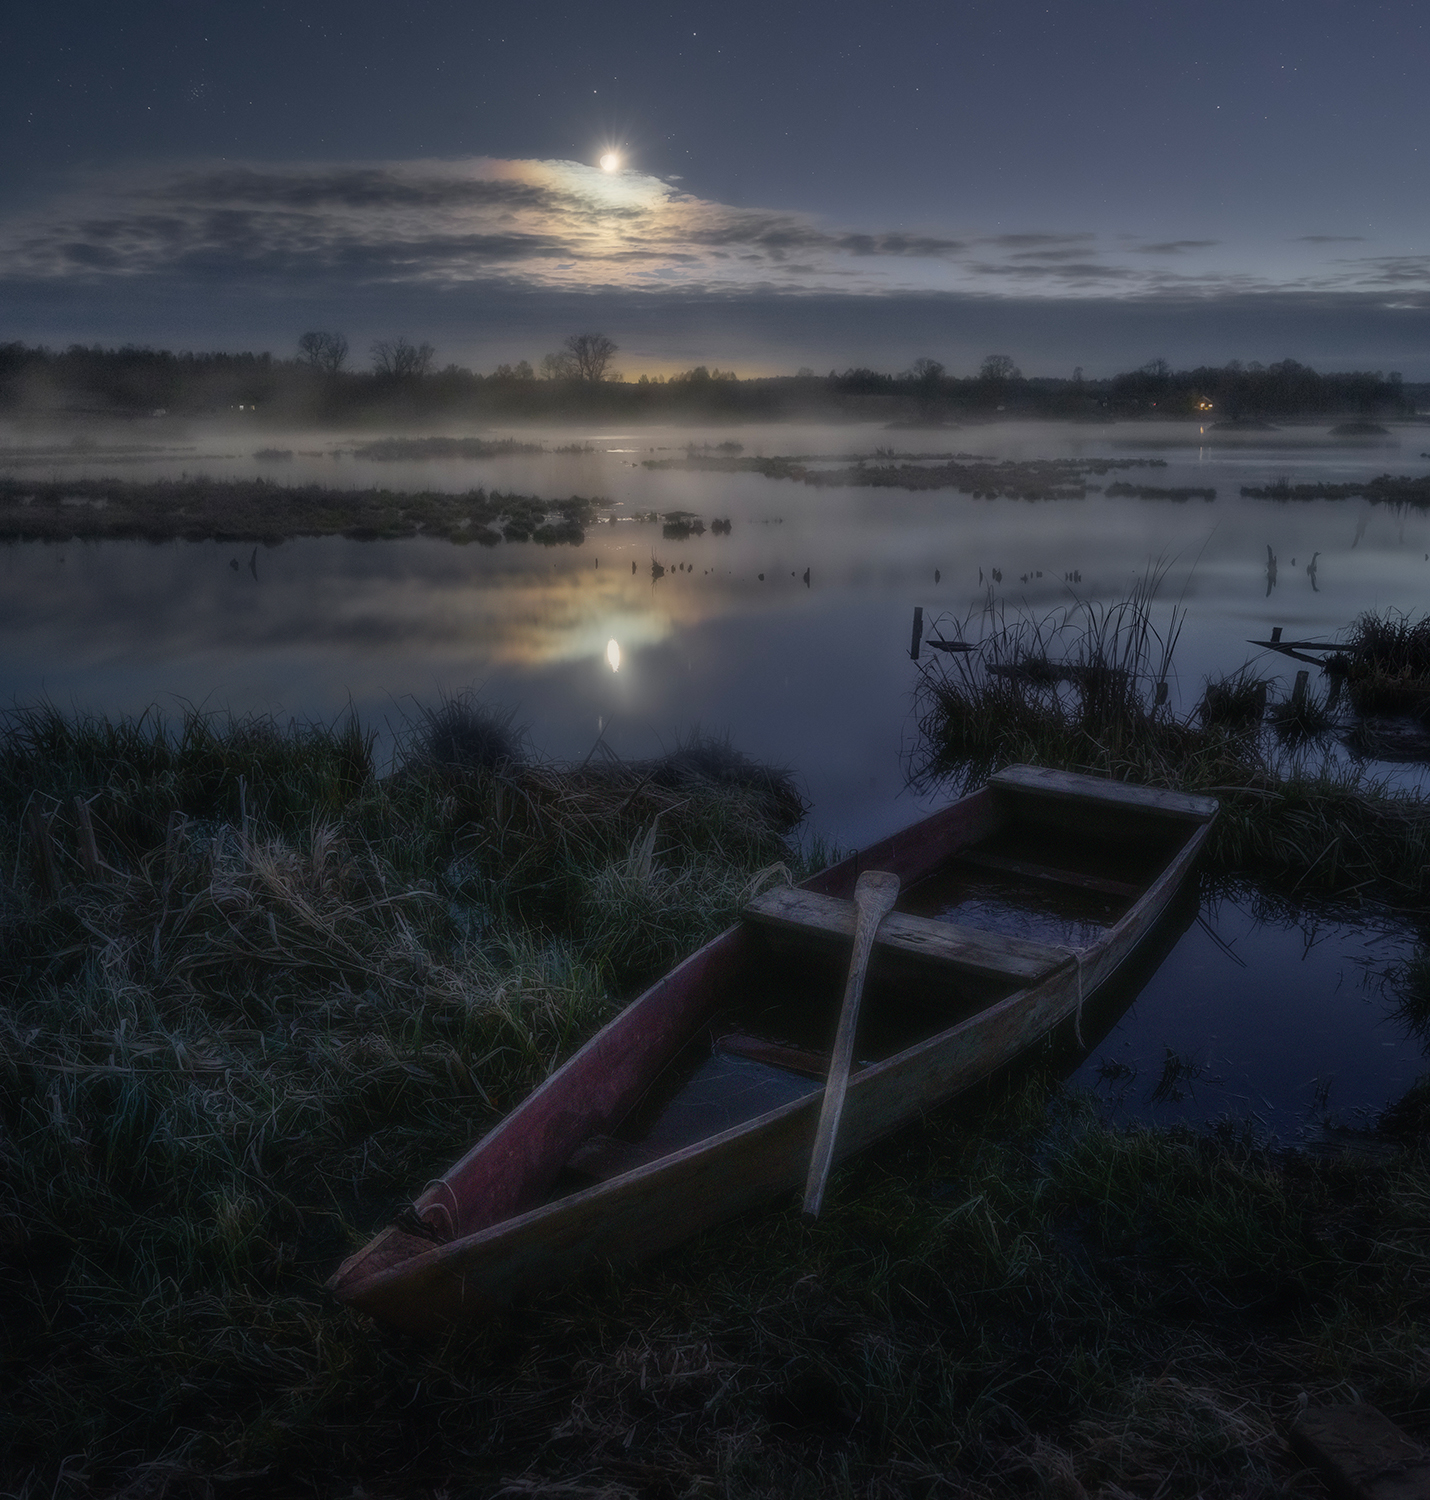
x=816 y=676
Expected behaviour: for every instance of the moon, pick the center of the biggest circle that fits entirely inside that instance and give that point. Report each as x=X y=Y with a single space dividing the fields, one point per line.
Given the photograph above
x=610 y=161
x=613 y=655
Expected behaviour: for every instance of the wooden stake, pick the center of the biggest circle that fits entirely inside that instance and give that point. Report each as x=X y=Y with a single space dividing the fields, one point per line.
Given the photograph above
x=1298 y=693
x=47 y=870
x=88 y=849
x=918 y=632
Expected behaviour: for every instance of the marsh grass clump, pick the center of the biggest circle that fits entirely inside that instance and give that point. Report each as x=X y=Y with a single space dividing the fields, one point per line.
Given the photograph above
x=1385 y=665
x=1411 y=988
x=1080 y=691
x=1235 y=702
x=1301 y=717
x=1092 y=674
x=464 y=734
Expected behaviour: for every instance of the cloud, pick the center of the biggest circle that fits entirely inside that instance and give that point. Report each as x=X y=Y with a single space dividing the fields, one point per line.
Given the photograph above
x=555 y=226
x=1035 y=241
x=558 y=224
x=1177 y=247
x=1390 y=270
x=1329 y=239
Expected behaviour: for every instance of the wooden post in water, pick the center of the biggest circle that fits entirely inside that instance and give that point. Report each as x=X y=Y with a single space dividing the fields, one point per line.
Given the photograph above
x=917 y=640
x=47 y=871
x=1275 y=633
x=88 y=849
x=1161 y=694
x=1298 y=693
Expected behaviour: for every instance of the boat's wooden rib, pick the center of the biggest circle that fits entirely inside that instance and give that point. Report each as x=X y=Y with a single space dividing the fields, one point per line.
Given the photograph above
x=607 y=1156
x=503 y=1238
x=1049 y=874
x=801 y=1060
x=968 y=950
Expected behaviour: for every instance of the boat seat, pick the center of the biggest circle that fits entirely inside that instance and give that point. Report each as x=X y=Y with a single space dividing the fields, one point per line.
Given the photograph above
x=1112 y=796
x=967 y=950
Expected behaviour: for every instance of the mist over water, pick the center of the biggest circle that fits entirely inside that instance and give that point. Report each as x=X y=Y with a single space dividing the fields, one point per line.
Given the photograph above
x=729 y=636
x=723 y=633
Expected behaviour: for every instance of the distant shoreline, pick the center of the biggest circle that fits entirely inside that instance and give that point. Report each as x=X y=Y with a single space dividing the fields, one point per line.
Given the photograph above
x=93 y=383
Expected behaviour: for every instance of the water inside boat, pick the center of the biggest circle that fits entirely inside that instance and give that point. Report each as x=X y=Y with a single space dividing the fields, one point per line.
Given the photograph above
x=769 y=1043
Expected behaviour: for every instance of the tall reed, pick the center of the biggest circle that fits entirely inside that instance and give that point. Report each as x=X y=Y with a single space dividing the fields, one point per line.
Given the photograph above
x=1084 y=690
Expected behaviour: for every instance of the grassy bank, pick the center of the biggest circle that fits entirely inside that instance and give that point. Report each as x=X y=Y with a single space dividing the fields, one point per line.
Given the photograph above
x=274 y=993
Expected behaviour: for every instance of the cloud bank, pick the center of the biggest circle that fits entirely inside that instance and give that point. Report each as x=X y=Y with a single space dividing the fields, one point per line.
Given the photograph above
x=562 y=226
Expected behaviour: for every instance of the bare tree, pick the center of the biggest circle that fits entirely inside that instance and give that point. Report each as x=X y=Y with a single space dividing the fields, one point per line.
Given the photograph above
x=999 y=367
x=327 y=352
x=590 y=355
x=927 y=371
x=557 y=367
x=401 y=359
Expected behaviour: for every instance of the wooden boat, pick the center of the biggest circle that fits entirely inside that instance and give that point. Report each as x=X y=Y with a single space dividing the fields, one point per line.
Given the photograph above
x=701 y=1098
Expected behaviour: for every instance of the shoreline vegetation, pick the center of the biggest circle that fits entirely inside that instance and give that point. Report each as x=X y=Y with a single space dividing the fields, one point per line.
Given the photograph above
x=1384 y=489
x=258 y=510
x=267 y=512
x=251 y=989
x=406 y=384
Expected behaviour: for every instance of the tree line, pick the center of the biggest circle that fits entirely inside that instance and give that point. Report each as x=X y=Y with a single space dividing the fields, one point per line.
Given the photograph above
x=320 y=383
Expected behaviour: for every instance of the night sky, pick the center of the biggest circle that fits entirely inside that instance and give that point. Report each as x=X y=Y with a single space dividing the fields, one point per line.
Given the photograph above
x=823 y=185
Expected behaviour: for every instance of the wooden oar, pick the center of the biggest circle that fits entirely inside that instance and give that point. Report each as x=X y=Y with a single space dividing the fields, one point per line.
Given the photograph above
x=874 y=895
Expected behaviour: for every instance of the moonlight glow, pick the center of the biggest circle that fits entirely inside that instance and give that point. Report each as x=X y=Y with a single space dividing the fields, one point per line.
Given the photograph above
x=613 y=655
x=610 y=161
